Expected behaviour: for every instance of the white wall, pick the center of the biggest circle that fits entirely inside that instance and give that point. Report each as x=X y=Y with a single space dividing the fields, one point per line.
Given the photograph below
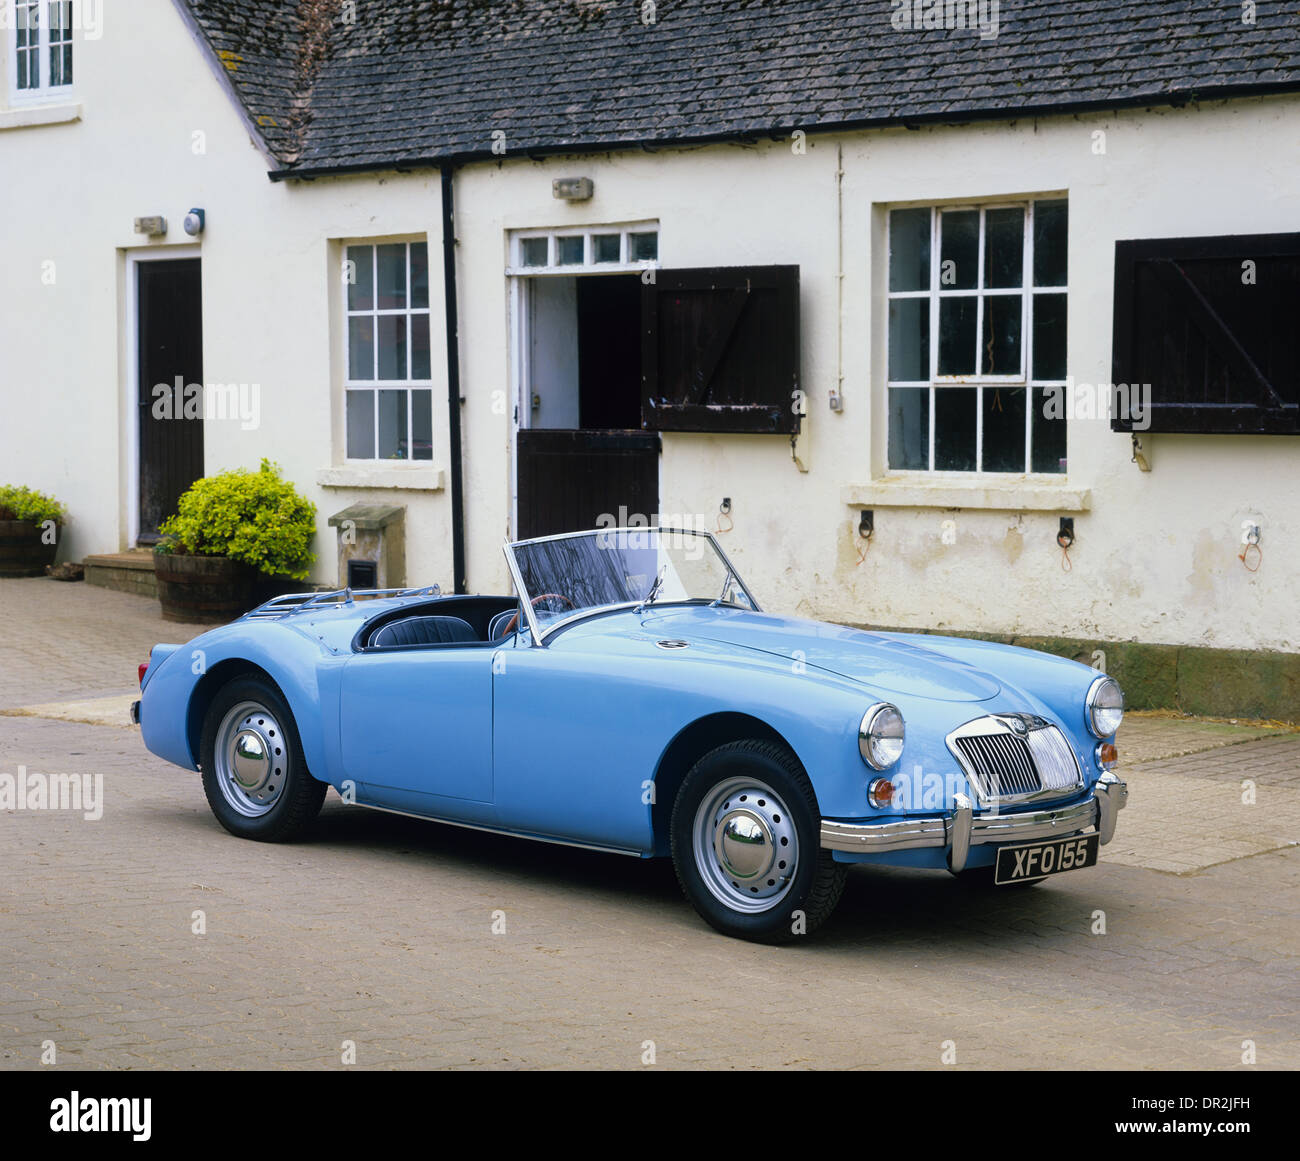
x=1156 y=555
x=270 y=288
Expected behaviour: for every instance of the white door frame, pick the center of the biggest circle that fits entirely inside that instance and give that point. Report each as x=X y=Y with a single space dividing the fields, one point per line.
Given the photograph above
x=131 y=388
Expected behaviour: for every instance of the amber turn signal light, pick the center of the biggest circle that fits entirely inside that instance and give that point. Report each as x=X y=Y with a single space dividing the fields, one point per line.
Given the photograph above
x=881 y=792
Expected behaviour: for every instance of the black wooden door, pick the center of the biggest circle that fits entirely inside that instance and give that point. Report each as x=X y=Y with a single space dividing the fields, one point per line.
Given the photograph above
x=170 y=388
x=568 y=480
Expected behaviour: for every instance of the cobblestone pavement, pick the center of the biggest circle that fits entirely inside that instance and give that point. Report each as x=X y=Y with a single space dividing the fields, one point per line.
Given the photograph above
x=379 y=930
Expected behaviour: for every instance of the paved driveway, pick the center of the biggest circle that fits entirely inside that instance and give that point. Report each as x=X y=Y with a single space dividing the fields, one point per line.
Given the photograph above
x=417 y=945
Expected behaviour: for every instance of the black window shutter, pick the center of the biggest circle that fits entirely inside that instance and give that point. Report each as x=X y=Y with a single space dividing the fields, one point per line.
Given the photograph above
x=720 y=350
x=1219 y=342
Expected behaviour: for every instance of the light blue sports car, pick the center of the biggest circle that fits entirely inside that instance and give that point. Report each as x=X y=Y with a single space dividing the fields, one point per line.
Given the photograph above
x=632 y=697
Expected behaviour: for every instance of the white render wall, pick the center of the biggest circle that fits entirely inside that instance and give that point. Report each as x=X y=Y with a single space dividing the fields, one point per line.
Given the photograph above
x=1156 y=553
x=1155 y=557
x=270 y=289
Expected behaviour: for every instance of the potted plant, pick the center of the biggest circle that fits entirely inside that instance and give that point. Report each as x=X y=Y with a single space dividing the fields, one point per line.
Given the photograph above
x=30 y=522
x=233 y=534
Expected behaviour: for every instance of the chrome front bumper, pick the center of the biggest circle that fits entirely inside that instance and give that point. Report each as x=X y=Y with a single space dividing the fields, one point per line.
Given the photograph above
x=964 y=828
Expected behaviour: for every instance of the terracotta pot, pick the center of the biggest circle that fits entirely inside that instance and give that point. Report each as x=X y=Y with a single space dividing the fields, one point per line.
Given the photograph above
x=203 y=589
x=21 y=551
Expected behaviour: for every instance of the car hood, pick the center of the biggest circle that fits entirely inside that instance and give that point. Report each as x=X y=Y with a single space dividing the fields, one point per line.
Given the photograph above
x=880 y=662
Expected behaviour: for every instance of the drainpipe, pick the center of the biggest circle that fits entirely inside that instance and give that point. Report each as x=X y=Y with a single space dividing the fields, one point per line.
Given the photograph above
x=453 y=382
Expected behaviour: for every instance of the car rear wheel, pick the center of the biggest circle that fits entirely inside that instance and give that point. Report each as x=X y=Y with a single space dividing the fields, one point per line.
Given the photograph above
x=254 y=775
x=745 y=841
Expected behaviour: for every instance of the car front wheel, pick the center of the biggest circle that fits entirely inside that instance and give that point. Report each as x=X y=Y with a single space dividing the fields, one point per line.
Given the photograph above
x=254 y=774
x=745 y=843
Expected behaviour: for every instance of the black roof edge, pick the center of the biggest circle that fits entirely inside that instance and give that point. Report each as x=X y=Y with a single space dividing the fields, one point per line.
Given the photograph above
x=1173 y=99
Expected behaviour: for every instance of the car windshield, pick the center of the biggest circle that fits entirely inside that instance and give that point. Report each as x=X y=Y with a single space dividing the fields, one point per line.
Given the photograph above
x=562 y=576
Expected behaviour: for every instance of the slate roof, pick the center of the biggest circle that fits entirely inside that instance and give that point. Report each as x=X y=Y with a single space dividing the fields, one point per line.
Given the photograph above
x=335 y=87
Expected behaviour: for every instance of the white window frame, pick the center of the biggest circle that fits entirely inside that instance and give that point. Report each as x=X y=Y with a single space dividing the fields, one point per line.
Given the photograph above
x=44 y=93
x=626 y=263
x=376 y=385
x=976 y=382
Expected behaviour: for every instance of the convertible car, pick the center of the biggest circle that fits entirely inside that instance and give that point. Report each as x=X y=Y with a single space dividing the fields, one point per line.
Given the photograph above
x=631 y=696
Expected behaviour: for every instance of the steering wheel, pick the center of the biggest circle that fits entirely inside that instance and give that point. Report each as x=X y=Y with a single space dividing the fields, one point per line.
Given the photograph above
x=510 y=625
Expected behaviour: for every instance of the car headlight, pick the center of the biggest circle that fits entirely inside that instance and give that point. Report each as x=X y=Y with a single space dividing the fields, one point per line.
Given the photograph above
x=1104 y=708
x=880 y=736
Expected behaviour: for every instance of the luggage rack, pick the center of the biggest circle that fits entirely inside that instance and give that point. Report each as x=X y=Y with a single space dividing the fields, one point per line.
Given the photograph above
x=289 y=603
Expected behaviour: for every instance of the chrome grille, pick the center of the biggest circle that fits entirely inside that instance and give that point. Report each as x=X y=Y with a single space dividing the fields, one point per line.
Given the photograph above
x=1015 y=757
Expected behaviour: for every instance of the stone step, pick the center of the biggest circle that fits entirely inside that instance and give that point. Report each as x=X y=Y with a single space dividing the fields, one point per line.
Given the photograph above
x=126 y=572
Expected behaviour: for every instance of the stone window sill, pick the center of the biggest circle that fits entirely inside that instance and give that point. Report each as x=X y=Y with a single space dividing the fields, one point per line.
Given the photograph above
x=29 y=116
x=1020 y=496
x=356 y=476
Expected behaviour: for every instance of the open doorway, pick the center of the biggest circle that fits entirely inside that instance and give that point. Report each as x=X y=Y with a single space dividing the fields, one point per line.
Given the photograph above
x=581 y=452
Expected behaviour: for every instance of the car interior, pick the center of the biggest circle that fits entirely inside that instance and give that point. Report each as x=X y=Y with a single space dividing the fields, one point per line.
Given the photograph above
x=448 y=621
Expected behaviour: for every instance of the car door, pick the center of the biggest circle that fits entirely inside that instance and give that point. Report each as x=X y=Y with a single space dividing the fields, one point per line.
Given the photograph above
x=415 y=728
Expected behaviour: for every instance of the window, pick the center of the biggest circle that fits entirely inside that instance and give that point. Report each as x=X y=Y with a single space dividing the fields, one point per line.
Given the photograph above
x=388 y=384
x=569 y=251
x=976 y=336
x=1205 y=335
x=42 y=48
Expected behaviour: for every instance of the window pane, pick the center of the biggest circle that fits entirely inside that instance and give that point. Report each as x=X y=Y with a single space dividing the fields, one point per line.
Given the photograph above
x=909 y=250
x=392 y=346
x=954 y=429
x=606 y=247
x=909 y=428
x=422 y=423
x=361 y=425
x=533 y=251
x=1000 y=347
x=361 y=348
x=1047 y=437
x=959 y=250
x=419 y=275
x=643 y=247
x=421 y=362
x=361 y=278
x=392 y=425
x=1004 y=429
x=1004 y=247
x=957 y=336
x=1051 y=220
x=569 y=251
x=392 y=277
x=1049 y=336
x=909 y=340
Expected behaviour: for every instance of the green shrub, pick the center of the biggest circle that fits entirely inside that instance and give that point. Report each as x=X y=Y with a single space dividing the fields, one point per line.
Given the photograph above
x=26 y=504
x=254 y=517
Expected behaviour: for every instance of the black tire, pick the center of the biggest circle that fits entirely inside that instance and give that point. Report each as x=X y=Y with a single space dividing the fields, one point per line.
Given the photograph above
x=292 y=796
x=812 y=887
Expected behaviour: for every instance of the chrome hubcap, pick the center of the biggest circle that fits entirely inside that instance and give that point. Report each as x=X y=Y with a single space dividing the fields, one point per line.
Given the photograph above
x=251 y=758
x=745 y=844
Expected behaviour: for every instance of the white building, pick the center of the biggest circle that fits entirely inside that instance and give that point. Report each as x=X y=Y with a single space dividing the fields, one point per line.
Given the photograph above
x=840 y=275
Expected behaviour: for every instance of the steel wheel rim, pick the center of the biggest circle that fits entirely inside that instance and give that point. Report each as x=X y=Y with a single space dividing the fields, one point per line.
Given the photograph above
x=745 y=845
x=251 y=759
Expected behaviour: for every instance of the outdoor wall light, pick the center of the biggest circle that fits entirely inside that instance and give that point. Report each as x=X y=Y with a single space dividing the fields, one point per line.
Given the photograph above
x=195 y=220
x=154 y=226
x=573 y=189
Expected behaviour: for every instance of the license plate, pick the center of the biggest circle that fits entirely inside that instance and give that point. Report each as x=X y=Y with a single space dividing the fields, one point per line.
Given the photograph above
x=1034 y=860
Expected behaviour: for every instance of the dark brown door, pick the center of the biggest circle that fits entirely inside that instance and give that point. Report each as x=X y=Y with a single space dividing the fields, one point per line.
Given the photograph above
x=607 y=467
x=170 y=388
x=568 y=480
